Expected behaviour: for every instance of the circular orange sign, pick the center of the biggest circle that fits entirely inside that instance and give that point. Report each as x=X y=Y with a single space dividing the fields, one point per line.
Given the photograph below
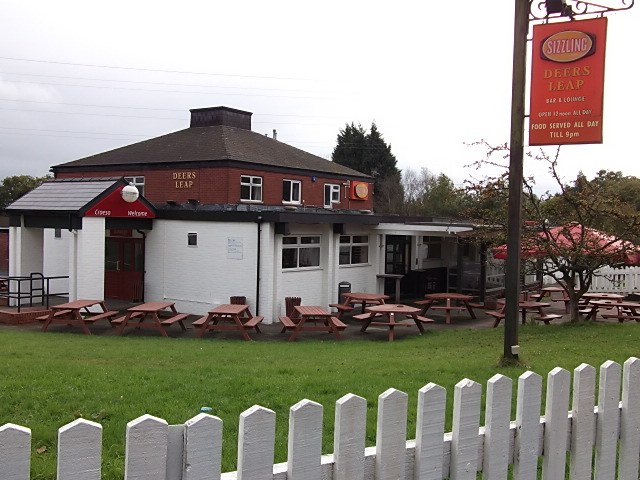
x=361 y=190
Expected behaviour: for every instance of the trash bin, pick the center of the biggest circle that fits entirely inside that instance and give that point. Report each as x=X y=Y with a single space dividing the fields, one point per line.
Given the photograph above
x=343 y=287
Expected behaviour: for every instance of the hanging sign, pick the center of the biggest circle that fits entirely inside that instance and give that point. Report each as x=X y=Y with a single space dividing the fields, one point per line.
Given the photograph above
x=567 y=82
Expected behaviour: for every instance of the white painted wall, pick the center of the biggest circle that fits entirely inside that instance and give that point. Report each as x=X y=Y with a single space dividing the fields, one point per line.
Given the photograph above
x=56 y=259
x=89 y=262
x=200 y=277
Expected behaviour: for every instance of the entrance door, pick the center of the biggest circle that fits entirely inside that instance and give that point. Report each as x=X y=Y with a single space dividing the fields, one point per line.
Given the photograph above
x=397 y=256
x=124 y=267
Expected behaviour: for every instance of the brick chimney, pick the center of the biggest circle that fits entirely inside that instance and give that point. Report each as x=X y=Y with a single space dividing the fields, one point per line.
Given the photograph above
x=213 y=116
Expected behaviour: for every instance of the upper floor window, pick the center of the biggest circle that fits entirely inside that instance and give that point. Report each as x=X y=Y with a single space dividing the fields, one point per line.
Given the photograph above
x=300 y=251
x=331 y=194
x=354 y=249
x=137 y=182
x=250 y=188
x=291 y=191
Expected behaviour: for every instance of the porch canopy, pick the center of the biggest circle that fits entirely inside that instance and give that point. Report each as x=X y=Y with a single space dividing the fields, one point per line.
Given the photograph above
x=575 y=237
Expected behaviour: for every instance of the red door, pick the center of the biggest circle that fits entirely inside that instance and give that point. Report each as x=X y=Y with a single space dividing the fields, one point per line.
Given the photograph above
x=124 y=267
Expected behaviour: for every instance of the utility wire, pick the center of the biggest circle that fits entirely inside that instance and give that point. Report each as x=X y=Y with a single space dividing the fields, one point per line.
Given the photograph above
x=114 y=67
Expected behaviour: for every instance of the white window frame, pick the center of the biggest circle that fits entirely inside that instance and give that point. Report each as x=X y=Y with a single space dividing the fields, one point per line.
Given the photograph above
x=334 y=194
x=302 y=242
x=254 y=183
x=138 y=182
x=347 y=242
x=293 y=198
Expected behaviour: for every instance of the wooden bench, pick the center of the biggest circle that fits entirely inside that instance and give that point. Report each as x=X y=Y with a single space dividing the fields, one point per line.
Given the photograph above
x=621 y=316
x=100 y=316
x=362 y=316
x=443 y=307
x=548 y=317
x=57 y=314
x=341 y=308
x=119 y=320
x=176 y=318
x=253 y=323
x=424 y=319
x=340 y=325
x=498 y=315
x=199 y=322
x=287 y=323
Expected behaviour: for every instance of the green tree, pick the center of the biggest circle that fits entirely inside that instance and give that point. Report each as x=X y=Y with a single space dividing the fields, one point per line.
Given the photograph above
x=430 y=195
x=14 y=187
x=368 y=153
x=607 y=222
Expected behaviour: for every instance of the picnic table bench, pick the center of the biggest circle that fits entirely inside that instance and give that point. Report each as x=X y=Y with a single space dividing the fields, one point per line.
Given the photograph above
x=77 y=313
x=229 y=317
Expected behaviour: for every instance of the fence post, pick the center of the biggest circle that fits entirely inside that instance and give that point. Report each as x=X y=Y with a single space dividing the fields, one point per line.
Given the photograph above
x=466 y=424
x=146 y=449
x=630 y=421
x=202 y=448
x=583 y=422
x=528 y=428
x=608 y=420
x=349 y=438
x=391 y=434
x=305 y=441
x=79 y=450
x=256 y=437
x=556 y=423
x=432 y=405
x=15 y=452
x=497 y=434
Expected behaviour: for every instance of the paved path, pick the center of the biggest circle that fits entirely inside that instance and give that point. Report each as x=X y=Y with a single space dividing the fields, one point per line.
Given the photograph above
x=272 y=332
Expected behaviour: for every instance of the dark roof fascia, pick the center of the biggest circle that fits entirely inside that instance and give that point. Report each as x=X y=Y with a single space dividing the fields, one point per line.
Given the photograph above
x=207 y=164
x=186 y=213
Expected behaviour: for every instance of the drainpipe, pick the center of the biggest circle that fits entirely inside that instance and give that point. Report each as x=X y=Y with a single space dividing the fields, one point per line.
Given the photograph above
x=259 y=222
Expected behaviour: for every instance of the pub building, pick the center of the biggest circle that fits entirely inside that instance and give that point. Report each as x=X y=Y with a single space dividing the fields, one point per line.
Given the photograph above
x=218 y=210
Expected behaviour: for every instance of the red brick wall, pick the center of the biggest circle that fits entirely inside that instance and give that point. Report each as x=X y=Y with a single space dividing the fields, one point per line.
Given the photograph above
x=222 y=185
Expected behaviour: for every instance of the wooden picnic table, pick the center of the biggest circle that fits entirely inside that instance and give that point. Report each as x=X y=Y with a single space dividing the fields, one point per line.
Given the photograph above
x=452 y=301
x=389 y=311
x=623 y=310
x=357 y=297
x=229 y=316
x=536 y=306
x=71 y=314
x=148 y=316
x=310 y=313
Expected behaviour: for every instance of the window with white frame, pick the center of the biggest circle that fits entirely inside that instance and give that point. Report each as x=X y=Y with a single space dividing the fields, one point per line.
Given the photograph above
x=291 y=191
x=250 y=188
x=331 y=194
x=137 y=182
x=354 y=249
x=300 y=251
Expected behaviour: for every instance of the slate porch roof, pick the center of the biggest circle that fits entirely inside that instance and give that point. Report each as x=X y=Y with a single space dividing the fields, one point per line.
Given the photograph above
x=64 y=195
x=218 y=143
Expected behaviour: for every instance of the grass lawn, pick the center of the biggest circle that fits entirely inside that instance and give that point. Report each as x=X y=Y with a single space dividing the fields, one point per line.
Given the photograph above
x=49 y=380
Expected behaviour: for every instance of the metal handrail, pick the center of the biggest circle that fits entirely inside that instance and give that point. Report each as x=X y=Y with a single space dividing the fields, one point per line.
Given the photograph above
x=11 y=288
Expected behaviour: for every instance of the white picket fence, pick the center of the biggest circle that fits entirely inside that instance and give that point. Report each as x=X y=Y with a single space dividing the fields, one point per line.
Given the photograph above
x=603 y=439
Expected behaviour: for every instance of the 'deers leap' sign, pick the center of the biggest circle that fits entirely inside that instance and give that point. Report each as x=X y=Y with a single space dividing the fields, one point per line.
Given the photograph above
x=567 y=82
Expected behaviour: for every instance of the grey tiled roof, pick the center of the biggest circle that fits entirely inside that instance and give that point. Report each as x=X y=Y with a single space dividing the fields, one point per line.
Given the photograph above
x=211 y=144
x=63 y=195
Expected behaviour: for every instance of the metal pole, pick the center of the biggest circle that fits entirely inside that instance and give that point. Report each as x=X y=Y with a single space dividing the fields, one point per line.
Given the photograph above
x=514 y=226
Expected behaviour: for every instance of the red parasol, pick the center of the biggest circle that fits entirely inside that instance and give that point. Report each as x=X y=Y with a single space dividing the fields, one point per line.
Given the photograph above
x=575 y=235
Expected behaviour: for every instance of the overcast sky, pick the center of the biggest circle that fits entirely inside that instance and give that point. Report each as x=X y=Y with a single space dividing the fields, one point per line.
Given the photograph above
x=79 y=78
